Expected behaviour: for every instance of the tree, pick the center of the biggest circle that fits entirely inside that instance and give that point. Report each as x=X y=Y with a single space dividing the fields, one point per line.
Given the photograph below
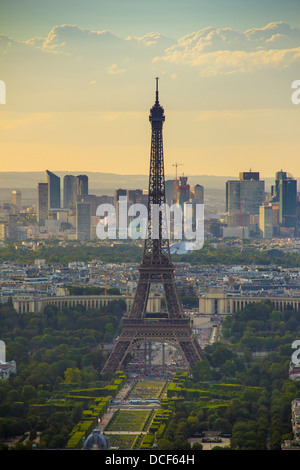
x=72 y=376
x=165 y=444
x=203 y=371
x=197 y=446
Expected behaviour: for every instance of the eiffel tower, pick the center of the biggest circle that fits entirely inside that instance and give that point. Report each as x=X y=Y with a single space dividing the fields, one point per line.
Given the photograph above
x=139 y=326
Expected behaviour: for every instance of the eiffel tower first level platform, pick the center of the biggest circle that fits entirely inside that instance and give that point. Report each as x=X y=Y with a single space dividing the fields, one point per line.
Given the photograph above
x=170 y=326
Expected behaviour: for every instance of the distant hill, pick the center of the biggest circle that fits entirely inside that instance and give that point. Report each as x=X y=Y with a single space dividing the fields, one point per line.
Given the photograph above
x=107 y=182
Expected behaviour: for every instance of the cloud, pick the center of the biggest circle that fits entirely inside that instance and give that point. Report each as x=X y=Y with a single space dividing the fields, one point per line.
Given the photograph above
x=229 y=62
x=279 y=32
x=113 y=69
x=226 y=51
x=152 y=40
x=75 y=68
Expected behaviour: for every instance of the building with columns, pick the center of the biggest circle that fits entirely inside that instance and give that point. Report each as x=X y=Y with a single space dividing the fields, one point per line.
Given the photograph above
x=218 y=301
x=30 y=303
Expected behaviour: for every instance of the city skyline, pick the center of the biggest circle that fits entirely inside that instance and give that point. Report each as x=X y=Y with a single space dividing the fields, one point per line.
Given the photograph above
x=80 y=81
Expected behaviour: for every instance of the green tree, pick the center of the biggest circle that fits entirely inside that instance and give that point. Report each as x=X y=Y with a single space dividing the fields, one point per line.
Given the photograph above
x=72 y=376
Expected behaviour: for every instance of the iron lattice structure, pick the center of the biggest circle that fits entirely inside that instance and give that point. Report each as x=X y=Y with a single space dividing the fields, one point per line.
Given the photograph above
x=138 y=326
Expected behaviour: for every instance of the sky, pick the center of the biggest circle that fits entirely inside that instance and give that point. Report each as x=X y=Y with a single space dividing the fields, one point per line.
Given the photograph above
x=80 y=81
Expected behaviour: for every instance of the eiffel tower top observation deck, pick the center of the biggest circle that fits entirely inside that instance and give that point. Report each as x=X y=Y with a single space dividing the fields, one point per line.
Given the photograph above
x=157 y=111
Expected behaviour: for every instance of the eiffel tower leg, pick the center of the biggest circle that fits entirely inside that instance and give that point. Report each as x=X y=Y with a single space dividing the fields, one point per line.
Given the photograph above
x=117 y=355
x=192 y=351
x=141 y=297
x=173 y=304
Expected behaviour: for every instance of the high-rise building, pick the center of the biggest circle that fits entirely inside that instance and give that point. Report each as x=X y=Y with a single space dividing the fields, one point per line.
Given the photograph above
x=42 y=202
x=118 y=194
x=134 y=196
x=13 y=226
x=171 y=191
x=284 y=193
x=280 y=175
x=245 y=195
x=183 y=191
x=53 y=190
x=95 y=201
x=266 y=220
x=233 y=191
x=199 y=194
x=249 y=175
x=288 y=203
x=82 y=185
x=3 y=230
x=16 y=199
x=70 y=191
x=83 y=220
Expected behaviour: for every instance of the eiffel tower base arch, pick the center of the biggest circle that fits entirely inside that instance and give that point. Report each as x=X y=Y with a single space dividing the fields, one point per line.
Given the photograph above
x=177 y=333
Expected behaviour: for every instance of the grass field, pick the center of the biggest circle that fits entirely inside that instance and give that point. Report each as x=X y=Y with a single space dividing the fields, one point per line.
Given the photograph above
x=146 y=389
x=122 y=441
x=128 y=420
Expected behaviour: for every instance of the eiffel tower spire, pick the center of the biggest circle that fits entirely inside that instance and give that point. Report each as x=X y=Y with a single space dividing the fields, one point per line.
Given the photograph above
x=156 y=267
x=156 y=249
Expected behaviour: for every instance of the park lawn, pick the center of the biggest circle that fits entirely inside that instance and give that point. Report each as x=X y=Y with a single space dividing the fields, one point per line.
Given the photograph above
x=128 y=420
x=121 y=441
x=146 y=389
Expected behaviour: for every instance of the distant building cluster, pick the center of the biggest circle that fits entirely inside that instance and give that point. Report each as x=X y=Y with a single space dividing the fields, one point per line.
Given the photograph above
x=77 y=213
x=68 y=211
x=252 y=211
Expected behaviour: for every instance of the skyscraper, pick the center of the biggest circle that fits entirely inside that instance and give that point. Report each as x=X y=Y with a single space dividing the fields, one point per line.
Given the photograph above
x=198 y=199
x=284 y=192
x=82 y=185
x=199 y=194
x=70 y=191
x=53 y=190
x=134 y=196
x=288 y=203
x=171 y=191
x=42 y=202
x=280 y=175
x=244 y=196
x=16 y=199
x=83 y=220
x=266 y=220
x=233 y=196
x=183 y=191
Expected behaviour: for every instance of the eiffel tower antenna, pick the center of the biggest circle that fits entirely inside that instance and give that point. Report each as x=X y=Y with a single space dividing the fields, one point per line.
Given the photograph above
x=139 y=326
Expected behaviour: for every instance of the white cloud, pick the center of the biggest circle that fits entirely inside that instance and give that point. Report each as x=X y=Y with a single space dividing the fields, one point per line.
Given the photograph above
x=226 y=51
x=113 y=69
x=76 y=68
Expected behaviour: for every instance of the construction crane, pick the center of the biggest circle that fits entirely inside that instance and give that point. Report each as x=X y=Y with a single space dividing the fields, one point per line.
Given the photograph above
x=176 y=165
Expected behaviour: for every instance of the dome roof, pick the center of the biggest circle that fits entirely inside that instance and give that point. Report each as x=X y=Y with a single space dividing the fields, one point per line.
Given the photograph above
x=96 y=440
